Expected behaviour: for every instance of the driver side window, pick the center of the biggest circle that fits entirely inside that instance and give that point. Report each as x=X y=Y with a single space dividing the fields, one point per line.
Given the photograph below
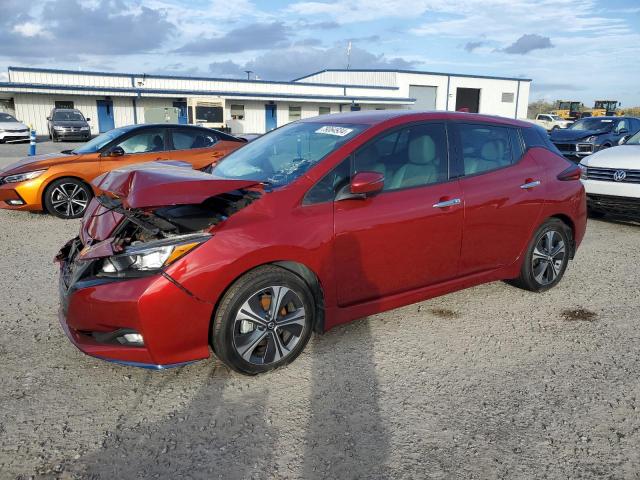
x=147 y=141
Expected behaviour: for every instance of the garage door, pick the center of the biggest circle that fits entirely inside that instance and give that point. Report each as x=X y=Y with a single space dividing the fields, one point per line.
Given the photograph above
x=425 y=97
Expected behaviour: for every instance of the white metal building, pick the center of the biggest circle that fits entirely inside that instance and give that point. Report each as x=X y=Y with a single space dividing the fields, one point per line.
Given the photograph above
x=249 y=106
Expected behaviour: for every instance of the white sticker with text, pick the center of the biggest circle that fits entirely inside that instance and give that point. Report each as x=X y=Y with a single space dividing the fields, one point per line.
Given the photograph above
x=333 y=130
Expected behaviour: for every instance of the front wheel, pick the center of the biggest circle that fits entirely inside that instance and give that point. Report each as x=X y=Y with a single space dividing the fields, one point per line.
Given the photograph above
x=547 y=257
x=67 y=198
x=264 y=320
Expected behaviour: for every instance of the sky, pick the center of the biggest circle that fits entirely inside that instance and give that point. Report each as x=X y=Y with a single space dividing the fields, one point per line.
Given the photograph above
x=582 y=50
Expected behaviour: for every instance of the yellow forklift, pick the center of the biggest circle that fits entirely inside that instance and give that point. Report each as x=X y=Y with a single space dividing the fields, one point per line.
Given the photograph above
x=606 y=108
x=568 y=110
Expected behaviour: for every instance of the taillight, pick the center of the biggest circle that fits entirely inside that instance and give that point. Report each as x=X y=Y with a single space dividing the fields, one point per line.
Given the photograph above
x=571 y=173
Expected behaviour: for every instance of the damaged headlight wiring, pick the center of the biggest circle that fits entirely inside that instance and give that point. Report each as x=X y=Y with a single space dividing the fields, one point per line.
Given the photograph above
x=150 y=257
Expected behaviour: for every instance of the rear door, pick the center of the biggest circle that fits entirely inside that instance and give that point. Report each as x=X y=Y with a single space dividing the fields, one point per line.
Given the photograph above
x=145 y=145
x=407 y=236
x=503 y=191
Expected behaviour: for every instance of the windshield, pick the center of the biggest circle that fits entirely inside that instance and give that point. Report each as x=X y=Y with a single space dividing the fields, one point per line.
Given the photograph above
x=592 y=124
x=100 y=141
x=68 y=116
x=283 y=155
x=5 y=117
x=634 y=140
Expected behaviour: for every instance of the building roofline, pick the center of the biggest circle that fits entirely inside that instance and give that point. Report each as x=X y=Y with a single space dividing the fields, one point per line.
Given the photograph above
x=182 y=93
x=463 y=75
x=177 y=77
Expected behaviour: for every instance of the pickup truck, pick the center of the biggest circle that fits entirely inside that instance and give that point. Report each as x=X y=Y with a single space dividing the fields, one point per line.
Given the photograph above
x=550 y=121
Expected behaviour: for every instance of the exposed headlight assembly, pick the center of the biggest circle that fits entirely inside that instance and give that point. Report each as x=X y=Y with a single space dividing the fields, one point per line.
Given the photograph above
x=21 y=177
x=150 y=257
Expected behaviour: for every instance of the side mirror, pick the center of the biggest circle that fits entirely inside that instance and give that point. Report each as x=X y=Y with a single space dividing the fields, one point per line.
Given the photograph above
x=367 y=183
x=48 y=119
x=88 y=119
x=362 y=185
x=116 y=152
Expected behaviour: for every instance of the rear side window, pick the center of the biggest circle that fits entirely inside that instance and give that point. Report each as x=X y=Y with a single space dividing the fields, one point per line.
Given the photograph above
x=536 y=136
x=187 y=139
x=484 y=147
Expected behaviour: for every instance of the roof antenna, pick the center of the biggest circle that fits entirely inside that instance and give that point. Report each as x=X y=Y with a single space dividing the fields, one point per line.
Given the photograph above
x=349 y=56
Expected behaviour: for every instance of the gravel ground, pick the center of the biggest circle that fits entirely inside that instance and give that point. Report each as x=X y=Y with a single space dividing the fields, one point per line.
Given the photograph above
x=490 y=382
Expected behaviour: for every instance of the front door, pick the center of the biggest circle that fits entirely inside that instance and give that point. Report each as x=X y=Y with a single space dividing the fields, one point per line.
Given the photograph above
x=503 y=195
x=105 y=115
x=408 y=236
x=270 y=117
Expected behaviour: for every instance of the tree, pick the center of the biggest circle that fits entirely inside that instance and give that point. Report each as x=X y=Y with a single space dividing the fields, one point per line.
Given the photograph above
x=539 y=106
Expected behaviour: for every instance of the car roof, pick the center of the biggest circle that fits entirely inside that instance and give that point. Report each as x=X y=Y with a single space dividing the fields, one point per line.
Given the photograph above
x=142 y=126
x=374 y=117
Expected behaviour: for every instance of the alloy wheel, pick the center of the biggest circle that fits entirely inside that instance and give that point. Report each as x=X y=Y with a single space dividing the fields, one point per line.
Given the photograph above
x=269 y=325
x=69 y=199
x=548 y=257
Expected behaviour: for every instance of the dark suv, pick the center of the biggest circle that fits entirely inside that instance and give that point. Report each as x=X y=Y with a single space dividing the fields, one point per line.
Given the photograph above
x=68 y=124
x=591 y=134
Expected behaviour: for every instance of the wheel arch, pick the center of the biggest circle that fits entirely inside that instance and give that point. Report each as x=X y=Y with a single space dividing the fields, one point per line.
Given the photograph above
x=297 y=268
x=45 y=186
x=566 y=219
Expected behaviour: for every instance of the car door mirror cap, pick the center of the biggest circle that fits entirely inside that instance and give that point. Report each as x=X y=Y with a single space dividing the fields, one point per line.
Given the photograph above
x=115 y=152
x=361 y=186
x=88 y=120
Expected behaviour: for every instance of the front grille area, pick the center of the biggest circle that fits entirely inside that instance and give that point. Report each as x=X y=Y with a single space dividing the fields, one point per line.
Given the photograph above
x=620 y=206
x=19 y=130
x=566 y=147
x=608 y=174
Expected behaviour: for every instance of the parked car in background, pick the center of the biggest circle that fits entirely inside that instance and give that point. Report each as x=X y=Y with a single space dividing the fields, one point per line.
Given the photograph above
x=68 y=124
x=611 y=179
x=11 y=130
x=588 y=135
x=550 y=122
x=314 y=224
x=60 y=183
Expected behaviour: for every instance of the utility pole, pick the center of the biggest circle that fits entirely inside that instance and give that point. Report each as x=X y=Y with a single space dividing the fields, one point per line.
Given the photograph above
x=349 y=56
x=248 y=72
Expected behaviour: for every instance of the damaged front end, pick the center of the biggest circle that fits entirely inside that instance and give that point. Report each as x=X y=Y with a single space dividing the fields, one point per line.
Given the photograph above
x=146 y=220
x=151 y=216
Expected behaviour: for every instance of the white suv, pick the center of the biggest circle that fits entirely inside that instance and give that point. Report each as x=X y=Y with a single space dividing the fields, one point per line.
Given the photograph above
x=611 y=178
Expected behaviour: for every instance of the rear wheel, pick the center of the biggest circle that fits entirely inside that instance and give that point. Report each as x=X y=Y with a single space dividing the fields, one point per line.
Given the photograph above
x=67 y=198
x=547 y=257
x=264 y=320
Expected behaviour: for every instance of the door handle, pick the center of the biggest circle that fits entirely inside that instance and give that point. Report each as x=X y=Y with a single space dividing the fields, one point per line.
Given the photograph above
x=528 y=185
x=447 y=203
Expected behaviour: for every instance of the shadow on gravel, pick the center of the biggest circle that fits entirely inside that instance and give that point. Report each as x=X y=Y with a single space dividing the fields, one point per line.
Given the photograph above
x=212 y=437
x=346 y=437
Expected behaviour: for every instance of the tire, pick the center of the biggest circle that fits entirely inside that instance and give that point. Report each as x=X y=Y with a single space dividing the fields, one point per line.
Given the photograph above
x=67 y=198
x=538 y=274
x=252 y=342
x=55 y=138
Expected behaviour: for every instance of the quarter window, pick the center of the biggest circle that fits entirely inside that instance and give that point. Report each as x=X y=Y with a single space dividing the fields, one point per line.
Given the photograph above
x=144 y=142
x=484 y=147
x=189 y=139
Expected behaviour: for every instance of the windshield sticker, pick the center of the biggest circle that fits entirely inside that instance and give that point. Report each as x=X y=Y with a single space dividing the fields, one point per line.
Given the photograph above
x=333 y=130
x=606 y=121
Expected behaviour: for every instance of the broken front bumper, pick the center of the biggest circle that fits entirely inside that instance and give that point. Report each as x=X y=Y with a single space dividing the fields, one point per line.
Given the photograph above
x=93 y=310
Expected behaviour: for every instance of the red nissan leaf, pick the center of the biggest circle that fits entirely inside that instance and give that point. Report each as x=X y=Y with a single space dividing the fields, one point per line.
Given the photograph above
x=317 y=223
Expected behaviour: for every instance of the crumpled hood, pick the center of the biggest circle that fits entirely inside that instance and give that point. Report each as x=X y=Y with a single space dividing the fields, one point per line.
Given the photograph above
x=37 y=161
x=157 y=184
x=569 y=134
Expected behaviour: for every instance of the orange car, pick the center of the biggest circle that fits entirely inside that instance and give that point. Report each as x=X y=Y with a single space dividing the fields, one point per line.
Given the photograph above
x=60 y=183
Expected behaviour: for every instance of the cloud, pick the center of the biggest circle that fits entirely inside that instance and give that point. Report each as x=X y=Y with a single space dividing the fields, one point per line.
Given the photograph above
x=471 y=46
x=552 y=87
x=256 y=36
x=293 y=62
x=527 y=43
x=104 y=27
